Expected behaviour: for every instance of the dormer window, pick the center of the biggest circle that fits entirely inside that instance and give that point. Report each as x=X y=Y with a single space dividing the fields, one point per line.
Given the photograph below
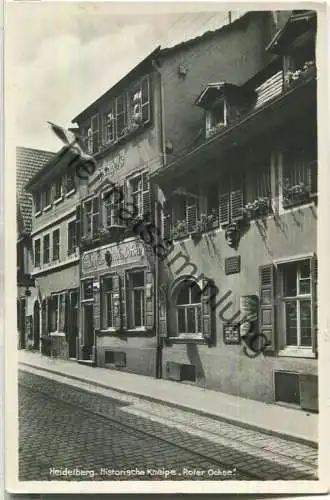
x=216 y=117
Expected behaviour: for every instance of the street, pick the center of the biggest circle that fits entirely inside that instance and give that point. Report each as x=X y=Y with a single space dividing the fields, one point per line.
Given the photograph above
x=66 y=433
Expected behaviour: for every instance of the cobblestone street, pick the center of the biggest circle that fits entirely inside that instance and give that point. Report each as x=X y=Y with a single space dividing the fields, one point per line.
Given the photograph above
x=102 y=436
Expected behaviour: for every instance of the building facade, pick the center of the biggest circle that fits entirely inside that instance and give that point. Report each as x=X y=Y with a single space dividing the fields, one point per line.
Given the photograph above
x=56 y=254
x=238 y=305
x=28 y=162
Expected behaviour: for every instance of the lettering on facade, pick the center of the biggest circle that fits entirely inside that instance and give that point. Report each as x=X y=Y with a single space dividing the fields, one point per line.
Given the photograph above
x=132 y=252
x=109 y=168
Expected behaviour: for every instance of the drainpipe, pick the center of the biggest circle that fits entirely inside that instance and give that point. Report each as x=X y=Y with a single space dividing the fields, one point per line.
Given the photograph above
x=159 y=341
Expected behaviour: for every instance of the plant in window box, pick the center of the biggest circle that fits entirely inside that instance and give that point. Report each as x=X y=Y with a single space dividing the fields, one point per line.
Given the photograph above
x=199 y=227
x=298 y=193
x=257 y=208
x=212 y=219
x=179 y=229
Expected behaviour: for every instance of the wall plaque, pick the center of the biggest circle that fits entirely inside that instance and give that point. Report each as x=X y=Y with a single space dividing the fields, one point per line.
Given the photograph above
x=233 y=265
x=231 y=333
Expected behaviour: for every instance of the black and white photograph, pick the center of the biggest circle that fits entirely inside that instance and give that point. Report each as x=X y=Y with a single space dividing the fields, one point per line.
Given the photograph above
x=166 y=330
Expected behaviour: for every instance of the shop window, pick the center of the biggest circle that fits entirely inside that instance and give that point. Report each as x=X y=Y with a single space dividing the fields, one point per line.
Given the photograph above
x=120 y=116
x=299 y=175
x=58 y=188
x=46 y=248
x=136 y=293
x=56 y=244
x=37 y=253
x=109 y=129
x=297 y=303
x=231 y=199
x=87 y=289
x=139 y=103
x=189 y=308
x=72 y=237
x=108 y=303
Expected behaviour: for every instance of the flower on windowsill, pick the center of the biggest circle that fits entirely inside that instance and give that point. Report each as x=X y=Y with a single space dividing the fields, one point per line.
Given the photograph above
x=257 y=208
x=295 y=194
x=180 y=229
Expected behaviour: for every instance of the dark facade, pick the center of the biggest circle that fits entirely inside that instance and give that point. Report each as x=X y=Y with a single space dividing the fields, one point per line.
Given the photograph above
x=238 y=307
x=56 y=254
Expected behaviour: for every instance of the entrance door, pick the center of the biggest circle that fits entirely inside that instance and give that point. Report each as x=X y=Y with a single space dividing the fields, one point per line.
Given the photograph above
x=88 y=325
x=36 y=325
x=73 y=324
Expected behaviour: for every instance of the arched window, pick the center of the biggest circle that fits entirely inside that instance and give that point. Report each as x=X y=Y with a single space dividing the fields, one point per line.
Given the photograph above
x=188 y=307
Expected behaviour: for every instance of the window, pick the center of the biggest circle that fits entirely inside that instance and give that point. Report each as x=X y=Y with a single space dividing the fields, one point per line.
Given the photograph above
x=58 y=189
x=297 y=303
x=185 y=212
x=111 y=214
x=37 y=253
x=109 y=129
x=216 y=117
x=56 y=244
x=89 y=140
x=87 y=289
x=137 y=298
x=136 y=194
x=47 y=196
x=258 y=189
x=120 y=116
x=37 y=202
x=139 y=102
x=91 y=217
x=46 y=249
x=58 y=312
x=70 y=182
x=72 y=237
x=107 y=306
x=299 y=175
x=189 y=308
x=95 y=134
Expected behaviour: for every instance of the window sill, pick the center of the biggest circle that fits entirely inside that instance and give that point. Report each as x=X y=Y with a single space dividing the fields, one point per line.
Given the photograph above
x=299 y=352
x=46 y=209
x=58 y=200
x=38 y=213
x=186 y=340
x=70 y=193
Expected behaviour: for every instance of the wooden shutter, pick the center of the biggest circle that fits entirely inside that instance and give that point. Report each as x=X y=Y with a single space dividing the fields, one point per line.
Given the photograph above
x=267 y=304
x=49 y=309
x=117 y=301
x=78 y=224
x=314 y=289
x=163 y=311
x=236 y=205
x=149 y=300
x=95 y=216
x=146 y=199
x=66 y=314
x=224 y=207
x=166 y=221
x=207 y=295
x=191 y=216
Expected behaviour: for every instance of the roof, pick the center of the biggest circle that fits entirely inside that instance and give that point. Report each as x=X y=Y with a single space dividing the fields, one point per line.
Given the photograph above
x=29 y=161
x=297 y=24
x=159 y=52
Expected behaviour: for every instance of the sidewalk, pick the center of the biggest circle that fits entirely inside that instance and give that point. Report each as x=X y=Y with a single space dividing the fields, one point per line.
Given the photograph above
x=293 y=424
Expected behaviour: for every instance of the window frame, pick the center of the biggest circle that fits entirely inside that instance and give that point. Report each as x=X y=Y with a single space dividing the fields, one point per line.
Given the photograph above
x=56 y=255
x=197 y=306
x=60 y=313
x=112 y=122
x=137 y=88
x=131 y=299
x=72 y=240
x=82 y=282
x=46 y=236
x=58 y=195
x=104 y=304
x=210 y=127
x=37 y=264
x=37 y=203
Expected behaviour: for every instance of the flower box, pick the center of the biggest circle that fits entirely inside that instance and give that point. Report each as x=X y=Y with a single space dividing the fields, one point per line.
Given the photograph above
x=295 y=195
x=260 y=207
x=291 y=78
x=179 y=230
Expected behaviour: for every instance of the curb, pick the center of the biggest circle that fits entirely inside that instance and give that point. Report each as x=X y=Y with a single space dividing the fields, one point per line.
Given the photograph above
x=229 y=420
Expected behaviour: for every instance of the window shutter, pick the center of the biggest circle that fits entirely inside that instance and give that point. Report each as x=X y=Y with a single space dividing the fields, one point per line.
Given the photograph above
x=146 y=199
x=166 y=221
x=66 y=314
x=149 y=300
x=236 y=205
x=78 y=224
x=163 y=333
x=224 y=208
x=207 y=294
x=49 y=315
x=191 y=217
x=267 y=306
x=314 y=283
x=96 y=216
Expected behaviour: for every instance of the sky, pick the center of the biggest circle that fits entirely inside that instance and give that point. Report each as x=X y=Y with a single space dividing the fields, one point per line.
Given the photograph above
x=60 y=57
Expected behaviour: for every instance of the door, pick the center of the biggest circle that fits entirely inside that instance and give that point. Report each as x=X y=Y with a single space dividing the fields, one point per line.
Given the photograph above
x=73 y=324
x=36 y=325
x=88 y=325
